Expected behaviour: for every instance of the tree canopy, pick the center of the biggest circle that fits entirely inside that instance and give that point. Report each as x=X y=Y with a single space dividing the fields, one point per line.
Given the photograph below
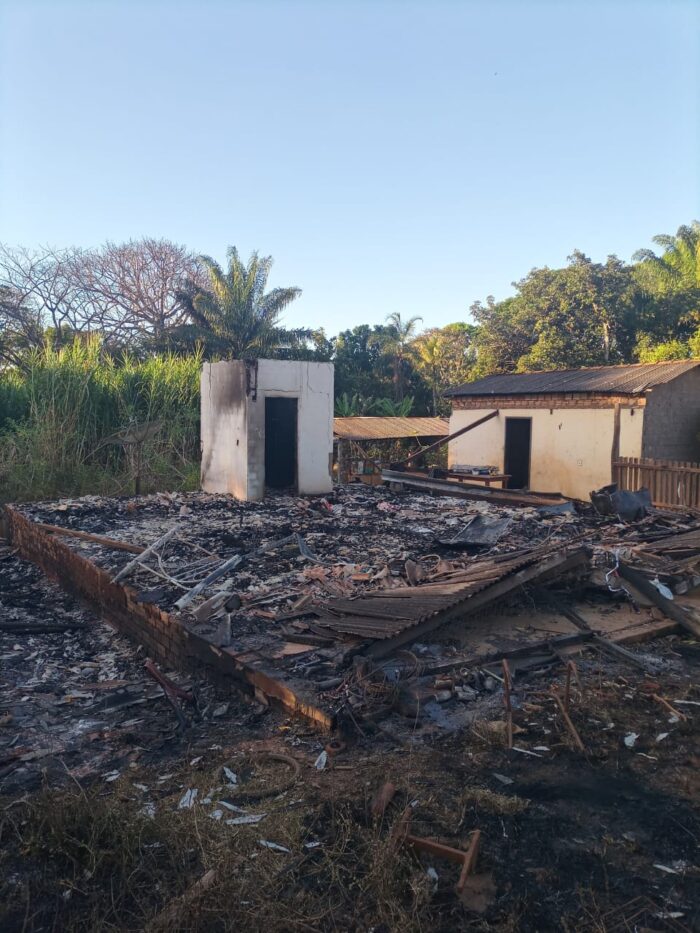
x=152 y=295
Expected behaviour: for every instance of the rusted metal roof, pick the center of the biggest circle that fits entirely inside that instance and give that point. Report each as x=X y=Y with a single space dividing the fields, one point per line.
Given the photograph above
x=384 y=613
x=634 y=379
x=368 y=428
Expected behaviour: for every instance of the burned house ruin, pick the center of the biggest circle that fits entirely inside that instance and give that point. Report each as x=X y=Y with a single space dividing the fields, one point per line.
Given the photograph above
x=266 y=424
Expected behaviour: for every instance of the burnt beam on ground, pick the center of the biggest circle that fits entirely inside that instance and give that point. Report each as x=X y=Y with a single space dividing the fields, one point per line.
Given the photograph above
x=464 y=490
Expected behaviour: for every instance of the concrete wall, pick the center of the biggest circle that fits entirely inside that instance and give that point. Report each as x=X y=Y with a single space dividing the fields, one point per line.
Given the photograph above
x=672 y=421
x=312 y=385
x=224 y=433
x=570 y=451
x=233 y=425
x=631 y=431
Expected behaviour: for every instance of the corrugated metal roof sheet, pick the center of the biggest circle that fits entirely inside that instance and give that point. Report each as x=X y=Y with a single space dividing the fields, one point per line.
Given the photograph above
x=616 y=380
x=368 y=428
x=384 y=613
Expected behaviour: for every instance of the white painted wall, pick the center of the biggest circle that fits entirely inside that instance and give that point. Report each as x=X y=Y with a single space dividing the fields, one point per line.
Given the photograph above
x=312 y=385
x=224 y=433
x=570 y=450
x=233 y=425
x=631 y=431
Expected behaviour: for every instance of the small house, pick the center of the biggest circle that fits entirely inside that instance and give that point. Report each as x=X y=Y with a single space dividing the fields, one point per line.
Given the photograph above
x=266 y=425
x=561 y=431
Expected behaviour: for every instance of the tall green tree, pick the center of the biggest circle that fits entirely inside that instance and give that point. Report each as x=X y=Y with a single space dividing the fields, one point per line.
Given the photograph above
x=234 y=316
x=505 y=333
x=444 y=357
x=395 y=342
x=360 y=367
x=582 y=315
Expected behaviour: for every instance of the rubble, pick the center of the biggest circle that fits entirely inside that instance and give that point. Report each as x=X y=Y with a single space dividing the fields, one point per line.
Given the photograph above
x=536 y=692
x=324 y=595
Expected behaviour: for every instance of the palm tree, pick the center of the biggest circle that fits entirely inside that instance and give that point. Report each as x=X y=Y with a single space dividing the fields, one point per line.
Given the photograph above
x=678 y=268
x=234 y=315
x=676 y=272
x=428 y=350
x=395 y=342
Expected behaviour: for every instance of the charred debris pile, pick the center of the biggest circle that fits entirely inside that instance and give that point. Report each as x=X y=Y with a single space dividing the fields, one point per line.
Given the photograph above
x=400 y=611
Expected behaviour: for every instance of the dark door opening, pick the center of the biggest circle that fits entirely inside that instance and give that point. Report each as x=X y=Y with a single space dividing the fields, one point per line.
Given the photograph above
x=280 y=442
x=517 y=452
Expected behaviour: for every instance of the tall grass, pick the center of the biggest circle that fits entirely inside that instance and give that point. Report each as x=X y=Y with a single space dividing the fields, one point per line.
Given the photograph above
x=58 y=415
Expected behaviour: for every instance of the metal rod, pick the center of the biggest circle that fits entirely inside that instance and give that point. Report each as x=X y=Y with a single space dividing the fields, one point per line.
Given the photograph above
x=450 y=437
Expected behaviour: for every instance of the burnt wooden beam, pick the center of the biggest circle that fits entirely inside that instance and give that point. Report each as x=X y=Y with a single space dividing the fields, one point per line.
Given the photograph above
x=669 y=608
x=450 y=437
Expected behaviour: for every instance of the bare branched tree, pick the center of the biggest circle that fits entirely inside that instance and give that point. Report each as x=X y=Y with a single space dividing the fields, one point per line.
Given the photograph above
x=42 y=286
x=133 y=288
x=20 y=326
x=129 y=293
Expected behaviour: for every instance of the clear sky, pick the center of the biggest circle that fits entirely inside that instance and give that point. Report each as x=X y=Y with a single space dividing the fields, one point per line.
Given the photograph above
x=391 y=156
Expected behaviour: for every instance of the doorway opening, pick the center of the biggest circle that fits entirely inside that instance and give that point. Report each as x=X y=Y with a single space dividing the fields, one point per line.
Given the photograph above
x=280 y=442
x=517 y=452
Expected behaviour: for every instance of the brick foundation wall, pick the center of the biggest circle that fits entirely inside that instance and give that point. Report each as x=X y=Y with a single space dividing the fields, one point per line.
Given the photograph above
x=164 y=636
x=560 y=400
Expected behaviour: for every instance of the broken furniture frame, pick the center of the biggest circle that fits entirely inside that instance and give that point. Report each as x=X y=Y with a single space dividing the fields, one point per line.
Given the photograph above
x=401 y=835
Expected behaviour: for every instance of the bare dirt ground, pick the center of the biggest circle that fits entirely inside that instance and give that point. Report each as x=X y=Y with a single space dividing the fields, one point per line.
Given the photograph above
x=101 y=828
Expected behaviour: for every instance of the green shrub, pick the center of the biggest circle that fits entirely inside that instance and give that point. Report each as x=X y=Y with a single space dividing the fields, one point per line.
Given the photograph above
x=59 y=415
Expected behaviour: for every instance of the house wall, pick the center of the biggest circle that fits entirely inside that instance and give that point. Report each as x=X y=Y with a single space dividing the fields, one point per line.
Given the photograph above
x=570 y=447
x=233 y=424
x=224 y=433
x=672 y=422
x=312 y=385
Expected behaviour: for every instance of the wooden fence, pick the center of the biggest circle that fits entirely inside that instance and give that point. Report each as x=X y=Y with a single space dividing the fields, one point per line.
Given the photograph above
x=670 y=482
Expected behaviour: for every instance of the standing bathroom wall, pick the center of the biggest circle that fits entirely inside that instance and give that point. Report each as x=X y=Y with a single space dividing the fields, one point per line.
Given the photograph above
x=267 y=425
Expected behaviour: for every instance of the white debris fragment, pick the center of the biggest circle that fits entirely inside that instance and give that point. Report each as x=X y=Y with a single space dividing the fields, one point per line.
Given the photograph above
x=666 y=868
x=231 y=806
x=276 y=847
x=216 y=814
x=662 y=588
x=245 y=820
x=502 y=778
x=661 y=736
x=188 y=799
x=526 y=751
x=195 y=761
x=630 y=739
x=111 y=776
x=321 y=761
x=230 y=775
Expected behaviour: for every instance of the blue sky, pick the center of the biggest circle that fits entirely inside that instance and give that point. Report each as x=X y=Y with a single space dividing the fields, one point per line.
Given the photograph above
x=391 y=156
